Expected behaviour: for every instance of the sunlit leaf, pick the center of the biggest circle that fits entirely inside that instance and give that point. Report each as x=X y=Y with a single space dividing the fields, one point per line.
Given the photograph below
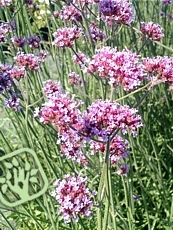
x=4 y=188
x=15 y=162
x=34 y=171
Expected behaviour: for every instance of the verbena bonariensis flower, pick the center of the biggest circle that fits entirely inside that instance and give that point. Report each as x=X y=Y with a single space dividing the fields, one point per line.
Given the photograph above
x=5 y=78
x=152 y=30
x=116 y=11
x=18 y=41
x=166 y=2
x=5 y=3
x=5 y=29
x=72 y=145
x=117 y=150
x=159 y=69
x=60 y=110
x=17 y=72
x=70 y=13
x=81 y=59
x=65 y=37
x=102 y=118
x=13 y=102
x=123 y=170
x=122 y=67
x=74 y=79
x=96 y=33
x=29 y=61
x=73 y=197
x=33 y=42
x=83 y=2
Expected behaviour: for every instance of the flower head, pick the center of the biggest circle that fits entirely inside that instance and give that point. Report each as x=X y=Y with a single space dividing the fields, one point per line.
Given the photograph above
x=65 y=37
x=73 y=197
x=152 y=30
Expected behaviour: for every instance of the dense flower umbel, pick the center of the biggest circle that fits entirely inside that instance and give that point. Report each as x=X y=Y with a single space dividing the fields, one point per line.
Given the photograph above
x=70 y=13
x=17 y=72
x=65 y=37
x=18 y=41
x=29 y=61
x=73 y=197
x=33 y=42
x=60 y=110
x=118 y=67
x=118 y=149
x=116 y=11
x=96 y=33
x=159 y=69
x=152 y=30
x=104 y=117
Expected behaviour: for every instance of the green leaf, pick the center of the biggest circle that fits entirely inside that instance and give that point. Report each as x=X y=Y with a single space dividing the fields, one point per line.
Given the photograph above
x=4 y=188
x=8 y=165
x=27 y=166
x=34 y=171
x=2 y=180
x=8 y=176
x=33 y=179
x=15 y=162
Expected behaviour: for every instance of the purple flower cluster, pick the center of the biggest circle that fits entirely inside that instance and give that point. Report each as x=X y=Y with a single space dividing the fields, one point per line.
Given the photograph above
x=102 y=118
x=73 y=197
x=152 y=30
x=65 y=37
x=159 y=69
x=118 y=67
x=116 y=11
x=32 y=41
x=5 y=78
x=13 y=102
x=70 y=13
x=96 y=33
x=166 y=2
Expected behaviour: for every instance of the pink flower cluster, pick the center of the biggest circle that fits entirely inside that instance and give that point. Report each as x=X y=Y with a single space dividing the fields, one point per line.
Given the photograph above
x=74 y=79
x=81 y=59
x=70 y=13
x=118 y=67
x=60 y=110
x=29 y=61
x=73 y=197
x=159 y=69
x=65 y=37
x=116 y=11
x=152 y=30
x=5 y=3
x=118 y=149
x=102 y=118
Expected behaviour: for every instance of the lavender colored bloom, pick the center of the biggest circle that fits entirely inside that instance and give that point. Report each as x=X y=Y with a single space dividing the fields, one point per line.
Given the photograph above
x=33 y=42
x=13 y=102
x=116 y=11
x=5 y=78
x=124 y=169
x=73 y=197
x=5 y=3
x=152 y=30
x=18 y=41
